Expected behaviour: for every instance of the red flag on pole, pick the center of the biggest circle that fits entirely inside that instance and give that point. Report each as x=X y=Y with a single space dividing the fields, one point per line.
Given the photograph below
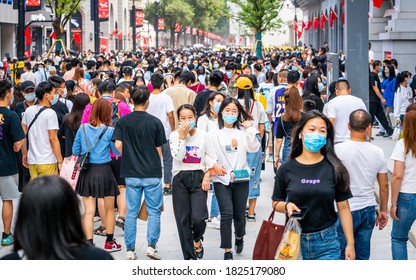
x=113 y=33
x=138 y=36
x=323 y=20
x=303 y=25
x=295 y=27
x=333 y=16
x=299 y=34
x=309 y=24
x=240 y=40
x=230 y=39
x=120 y=35
x=315 y=23
x=377 y=3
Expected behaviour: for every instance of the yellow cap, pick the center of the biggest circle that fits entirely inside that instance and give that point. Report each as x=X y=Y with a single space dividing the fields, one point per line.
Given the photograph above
x=244 y=83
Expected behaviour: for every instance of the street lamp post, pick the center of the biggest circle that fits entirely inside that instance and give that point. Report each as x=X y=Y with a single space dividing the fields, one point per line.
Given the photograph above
x=21 y=29
x=156 y=23
x=96 y=28
x=133 y=22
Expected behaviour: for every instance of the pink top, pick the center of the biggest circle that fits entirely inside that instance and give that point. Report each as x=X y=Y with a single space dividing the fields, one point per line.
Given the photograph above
x=123 y=107
x=197 y=88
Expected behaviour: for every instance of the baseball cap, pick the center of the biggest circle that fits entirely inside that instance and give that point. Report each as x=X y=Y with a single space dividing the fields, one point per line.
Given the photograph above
x=244 y=83
x=26 y=85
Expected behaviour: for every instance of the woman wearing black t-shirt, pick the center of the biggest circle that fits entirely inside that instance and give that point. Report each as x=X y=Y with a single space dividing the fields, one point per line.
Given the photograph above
x=323 y=179
x=291 y=116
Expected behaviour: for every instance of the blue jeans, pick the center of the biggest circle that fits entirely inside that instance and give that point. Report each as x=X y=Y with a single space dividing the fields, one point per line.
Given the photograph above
x=215 y=209
x=363 y=225
x=286 y=150
x=406 y=212
x=254 y=161
x=152 y=188
x=321 y=245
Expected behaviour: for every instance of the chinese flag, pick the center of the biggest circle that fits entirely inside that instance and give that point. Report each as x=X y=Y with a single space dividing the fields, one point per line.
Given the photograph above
x=315 y=23
x=138 y=36
x=323 y=20
x=303 y=25
x=113 y=33
x=295 y=27
x=377 y=3
x=309 y=24
x=120 y=35
x=230 y=39
x=299 y=34
x=333 y=16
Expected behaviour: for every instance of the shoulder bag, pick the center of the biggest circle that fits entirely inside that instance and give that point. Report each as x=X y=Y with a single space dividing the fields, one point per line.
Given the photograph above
x=30 y=125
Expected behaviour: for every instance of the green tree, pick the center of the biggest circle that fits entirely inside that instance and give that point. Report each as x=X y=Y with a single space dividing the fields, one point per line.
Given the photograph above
x=63 y=11
x=259 y=16
x=172 y=11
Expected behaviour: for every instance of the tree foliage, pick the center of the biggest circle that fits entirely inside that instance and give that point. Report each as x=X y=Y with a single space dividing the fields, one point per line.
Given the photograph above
x=259 y=15
x=63 y=11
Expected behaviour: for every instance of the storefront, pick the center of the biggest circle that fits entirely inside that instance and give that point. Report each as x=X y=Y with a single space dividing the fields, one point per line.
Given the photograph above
x=8 y=23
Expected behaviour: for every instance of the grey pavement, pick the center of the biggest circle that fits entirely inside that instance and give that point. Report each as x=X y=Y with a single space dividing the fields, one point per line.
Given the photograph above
x=169 y=246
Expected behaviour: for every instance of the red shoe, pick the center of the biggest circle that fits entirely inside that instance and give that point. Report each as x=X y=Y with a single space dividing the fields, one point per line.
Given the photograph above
x=112 y=246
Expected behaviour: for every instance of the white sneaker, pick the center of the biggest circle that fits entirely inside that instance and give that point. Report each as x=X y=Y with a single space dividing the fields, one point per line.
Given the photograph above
x=131 y=255
x=270 y=158
x=214 y=223
x=152 y=253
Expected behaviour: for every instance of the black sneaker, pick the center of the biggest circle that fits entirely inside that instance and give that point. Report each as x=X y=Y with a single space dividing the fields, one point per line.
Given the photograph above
x=167 y=191
x=386 y=135
x=228 y=256
x=380 y=134
x=239 y=245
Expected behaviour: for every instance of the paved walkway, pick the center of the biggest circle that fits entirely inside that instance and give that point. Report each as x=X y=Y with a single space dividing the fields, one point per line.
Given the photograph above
x=169 y=246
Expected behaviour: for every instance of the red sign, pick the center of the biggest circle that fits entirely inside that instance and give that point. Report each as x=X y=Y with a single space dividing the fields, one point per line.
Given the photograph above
x=32 y=4
x=139 y=18
x=177 y=27
x=200 y=32
x=103 y=44
x=188 y=30
x=103 y=9
x=161 y=24
x=387 y=55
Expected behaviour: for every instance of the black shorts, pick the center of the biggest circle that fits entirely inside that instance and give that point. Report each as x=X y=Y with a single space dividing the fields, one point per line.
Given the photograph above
x=116 y=167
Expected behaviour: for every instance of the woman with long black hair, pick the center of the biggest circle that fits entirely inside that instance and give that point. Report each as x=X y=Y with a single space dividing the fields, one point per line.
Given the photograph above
x=323 y=179
x=312 y=91
x=226 y=152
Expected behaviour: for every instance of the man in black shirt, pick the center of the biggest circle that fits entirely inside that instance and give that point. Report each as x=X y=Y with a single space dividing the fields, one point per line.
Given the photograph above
x=215 y=80
x=140 y=136
x=376 y=110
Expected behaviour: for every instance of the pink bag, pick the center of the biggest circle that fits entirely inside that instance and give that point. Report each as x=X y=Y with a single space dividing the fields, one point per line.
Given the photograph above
x=69 y=172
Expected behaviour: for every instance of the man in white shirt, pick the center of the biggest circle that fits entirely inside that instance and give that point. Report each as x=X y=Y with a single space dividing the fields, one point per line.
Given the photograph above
x=40 y=124
x=41 y=75
x=340 y=108
x=161 y=106
x=28 y=75
x=365 y=163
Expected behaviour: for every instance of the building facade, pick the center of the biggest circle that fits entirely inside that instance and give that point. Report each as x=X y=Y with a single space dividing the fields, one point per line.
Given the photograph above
x=8 y=24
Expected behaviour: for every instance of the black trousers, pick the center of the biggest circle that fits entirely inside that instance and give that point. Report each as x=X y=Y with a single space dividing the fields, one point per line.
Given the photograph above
x=232 y=201
x=376 y=110
x=190 y=209
x=24 y=175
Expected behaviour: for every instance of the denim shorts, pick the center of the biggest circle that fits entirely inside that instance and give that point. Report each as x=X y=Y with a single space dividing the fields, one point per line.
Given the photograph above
x=321 y=245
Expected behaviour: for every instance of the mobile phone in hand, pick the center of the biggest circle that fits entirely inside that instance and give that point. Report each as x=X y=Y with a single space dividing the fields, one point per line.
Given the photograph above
x=300 y=215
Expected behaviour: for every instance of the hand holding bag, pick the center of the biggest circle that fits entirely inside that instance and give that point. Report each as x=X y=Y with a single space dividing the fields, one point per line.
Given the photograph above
x=268 y=239
x=289 y=247
x=69 y=172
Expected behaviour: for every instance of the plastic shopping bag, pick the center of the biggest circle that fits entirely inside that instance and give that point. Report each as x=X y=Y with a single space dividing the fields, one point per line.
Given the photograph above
x=69 y=172
x=397 y=133
x=289 y=247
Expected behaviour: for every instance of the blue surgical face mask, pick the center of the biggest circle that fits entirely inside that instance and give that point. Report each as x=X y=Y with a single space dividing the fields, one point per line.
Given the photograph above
x=409 y=82
x=380 y=75
x=216 y=107
x=11 y=101
x=185 y=69
x=382 y=69
x=30 y=96
x=195 y=65
x=320 y=87
x=268 y=67
x=295 y=68
x=216 y=66
x=55 y=99
x=191 y=125
x=127 y=100
x=229 y=119
x=314 y=141
x=229 y=74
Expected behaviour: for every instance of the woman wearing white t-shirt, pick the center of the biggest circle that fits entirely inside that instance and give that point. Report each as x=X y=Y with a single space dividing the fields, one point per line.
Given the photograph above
x=402 y=97
x=253 y=108
x=190 y=183
x=403 y=186
x=226 y=152
x=207 y=122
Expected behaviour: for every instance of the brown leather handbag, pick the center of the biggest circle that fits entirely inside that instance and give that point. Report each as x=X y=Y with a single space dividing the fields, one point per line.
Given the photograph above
x=268 y=239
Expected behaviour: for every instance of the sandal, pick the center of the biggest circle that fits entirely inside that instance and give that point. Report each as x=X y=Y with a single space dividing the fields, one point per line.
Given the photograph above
x=199 y=250
x=120 y=222
x=100 y=231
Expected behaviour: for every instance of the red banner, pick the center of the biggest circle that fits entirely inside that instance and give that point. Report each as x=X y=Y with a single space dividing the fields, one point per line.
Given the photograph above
x=103 y=9
x=32 y=4
x=139 y=18
x=200 y=32
x=177 y=27
x=103 y=44
x=161 y=24
x=188 y=30
x=28 y=36
x=193 y=31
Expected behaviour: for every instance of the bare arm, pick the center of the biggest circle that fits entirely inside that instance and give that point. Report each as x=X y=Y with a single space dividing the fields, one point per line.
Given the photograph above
x=24 y=147
x=171 y=121
x=277 y=146
x=396 y=183
x=159 y=150
x=378 y=93
x=56 y=148
x=261 y=130
x=332 y=120
x=383 y=182
x=345 y=217
x=119 y=145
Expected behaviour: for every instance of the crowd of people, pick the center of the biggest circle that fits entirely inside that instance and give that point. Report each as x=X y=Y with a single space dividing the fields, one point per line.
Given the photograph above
x=184 y=122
